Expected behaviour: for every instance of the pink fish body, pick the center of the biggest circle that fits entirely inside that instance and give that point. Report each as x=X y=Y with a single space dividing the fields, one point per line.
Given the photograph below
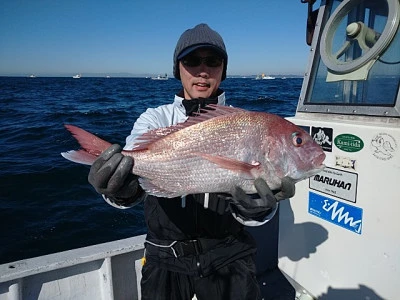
x=214 y=151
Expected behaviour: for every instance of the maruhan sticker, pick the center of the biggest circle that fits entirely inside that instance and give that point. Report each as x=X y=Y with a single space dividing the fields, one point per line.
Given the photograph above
x=338 y=183
x=336 y=212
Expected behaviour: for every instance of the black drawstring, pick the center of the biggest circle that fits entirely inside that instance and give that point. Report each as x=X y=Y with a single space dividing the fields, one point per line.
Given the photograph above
x=194 y=105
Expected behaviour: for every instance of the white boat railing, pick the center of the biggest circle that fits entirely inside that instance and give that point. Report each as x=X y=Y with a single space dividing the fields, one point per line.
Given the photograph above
x=104 y=271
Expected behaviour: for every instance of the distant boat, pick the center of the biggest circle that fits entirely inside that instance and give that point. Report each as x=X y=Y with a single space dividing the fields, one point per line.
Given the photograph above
x=108 y=76
x=159 y=77
x=32 y=76
x=263 y=76
x=77 y=76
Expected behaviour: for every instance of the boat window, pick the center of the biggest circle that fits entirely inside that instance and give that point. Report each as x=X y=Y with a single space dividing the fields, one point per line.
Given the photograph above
x=356 y=64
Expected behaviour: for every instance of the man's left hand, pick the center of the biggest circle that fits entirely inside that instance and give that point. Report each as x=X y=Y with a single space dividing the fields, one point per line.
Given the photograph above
x=257 y=207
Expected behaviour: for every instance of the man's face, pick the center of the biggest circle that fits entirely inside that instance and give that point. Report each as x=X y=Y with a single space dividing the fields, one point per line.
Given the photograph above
x=201 y=73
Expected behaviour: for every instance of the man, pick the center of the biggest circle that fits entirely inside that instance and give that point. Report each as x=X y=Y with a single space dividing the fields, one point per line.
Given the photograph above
x=196 y=244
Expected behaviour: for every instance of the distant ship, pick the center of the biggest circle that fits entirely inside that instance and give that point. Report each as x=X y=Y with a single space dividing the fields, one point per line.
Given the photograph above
x=263 y=76
x=159 y=77
x=32 y=76
x=77 y=76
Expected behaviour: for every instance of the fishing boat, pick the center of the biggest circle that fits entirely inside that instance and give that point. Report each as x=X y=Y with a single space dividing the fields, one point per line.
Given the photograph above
x=264 y=77
x=77 y=76
x=160 y=77
x=337 y=238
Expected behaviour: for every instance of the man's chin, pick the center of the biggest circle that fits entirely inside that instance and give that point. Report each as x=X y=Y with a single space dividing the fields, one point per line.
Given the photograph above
x=201 y=94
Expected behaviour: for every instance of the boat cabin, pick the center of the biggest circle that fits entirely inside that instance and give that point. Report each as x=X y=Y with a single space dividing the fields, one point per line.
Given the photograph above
x=339 y=234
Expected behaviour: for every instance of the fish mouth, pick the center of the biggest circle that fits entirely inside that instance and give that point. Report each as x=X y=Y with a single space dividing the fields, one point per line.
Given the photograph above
x=317 y=166
x=319 y=160
x=310 y=173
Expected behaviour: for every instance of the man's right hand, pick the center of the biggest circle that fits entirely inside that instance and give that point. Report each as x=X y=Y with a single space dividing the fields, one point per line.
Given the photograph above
x=111 y=175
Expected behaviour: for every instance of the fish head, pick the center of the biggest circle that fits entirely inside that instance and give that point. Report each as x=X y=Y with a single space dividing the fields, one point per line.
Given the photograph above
x=294 y=153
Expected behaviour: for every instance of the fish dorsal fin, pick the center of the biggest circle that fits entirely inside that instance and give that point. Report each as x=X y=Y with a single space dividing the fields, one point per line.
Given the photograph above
x=209 y=112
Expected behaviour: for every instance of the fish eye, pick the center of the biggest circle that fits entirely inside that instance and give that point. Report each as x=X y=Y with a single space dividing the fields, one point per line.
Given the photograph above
x=297 y=140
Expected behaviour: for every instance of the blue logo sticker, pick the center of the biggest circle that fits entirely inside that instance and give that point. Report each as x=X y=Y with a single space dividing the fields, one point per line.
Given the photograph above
x=336 y=212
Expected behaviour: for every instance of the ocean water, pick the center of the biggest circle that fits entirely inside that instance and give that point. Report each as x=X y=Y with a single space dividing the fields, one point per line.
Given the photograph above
x=46 y=203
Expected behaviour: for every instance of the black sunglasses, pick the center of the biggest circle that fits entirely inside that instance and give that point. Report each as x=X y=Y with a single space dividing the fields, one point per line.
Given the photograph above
x=195 y=61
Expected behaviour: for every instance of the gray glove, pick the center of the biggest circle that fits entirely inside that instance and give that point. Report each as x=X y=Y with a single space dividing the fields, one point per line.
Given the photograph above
x=111 y=175
x=257 y=206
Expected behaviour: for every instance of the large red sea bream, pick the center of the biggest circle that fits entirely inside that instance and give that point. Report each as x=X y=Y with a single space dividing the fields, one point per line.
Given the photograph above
x=219 y=148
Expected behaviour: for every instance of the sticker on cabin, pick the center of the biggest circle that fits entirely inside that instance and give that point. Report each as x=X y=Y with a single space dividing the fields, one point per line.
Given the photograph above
x=348 y=142
x=383 y=146
x=323 y=137
x=336 y=212
x=345 y=162
x=335 y=182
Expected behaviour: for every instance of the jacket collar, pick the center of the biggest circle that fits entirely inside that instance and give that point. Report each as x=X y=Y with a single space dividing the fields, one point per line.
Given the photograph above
x=179 y=98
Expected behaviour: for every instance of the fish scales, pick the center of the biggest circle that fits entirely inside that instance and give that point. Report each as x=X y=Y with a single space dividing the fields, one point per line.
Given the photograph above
x=229 y=148
x=176 y=164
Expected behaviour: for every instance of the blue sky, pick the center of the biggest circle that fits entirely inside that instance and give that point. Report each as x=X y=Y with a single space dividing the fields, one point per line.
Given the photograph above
x=54 y=37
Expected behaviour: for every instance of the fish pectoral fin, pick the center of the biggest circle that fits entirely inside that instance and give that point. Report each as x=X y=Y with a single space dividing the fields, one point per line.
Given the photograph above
x=249 y=170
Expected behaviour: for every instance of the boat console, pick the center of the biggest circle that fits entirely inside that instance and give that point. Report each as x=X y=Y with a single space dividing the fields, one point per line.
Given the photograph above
x=339 y=235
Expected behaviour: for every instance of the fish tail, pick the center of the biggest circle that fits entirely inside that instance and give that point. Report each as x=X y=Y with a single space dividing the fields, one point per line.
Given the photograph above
x=92 y=146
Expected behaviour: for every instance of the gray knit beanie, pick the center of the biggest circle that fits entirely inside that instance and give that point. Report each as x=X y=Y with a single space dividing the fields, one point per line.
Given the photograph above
x=199 y=37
